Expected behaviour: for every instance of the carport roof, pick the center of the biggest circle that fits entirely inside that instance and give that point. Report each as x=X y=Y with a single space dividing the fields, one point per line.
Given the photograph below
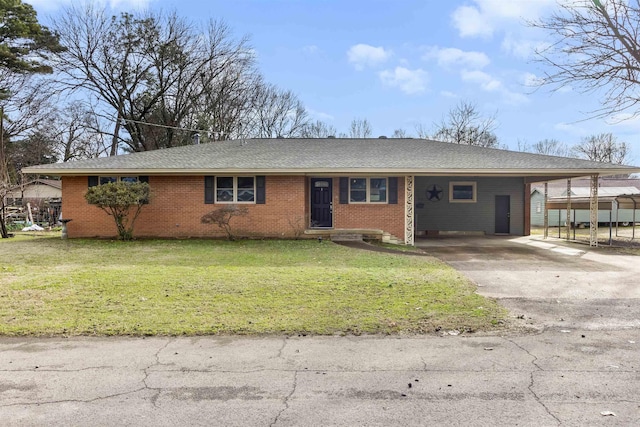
x=623 y=201
x=334 y=155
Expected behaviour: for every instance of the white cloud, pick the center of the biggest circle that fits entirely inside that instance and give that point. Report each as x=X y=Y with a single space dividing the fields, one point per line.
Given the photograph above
x=319 y=115
x=409 y=81
x=129 y=4
x=310 y=49
x=453 y=57
x=531 y=80
x=577 y=129
x=621 y=125
x=470 y=22
x=486 y=82
x=364 y=55
x=489 y=84
x=484 y=17
x=514 y=98
x=50 y=5
x=448 y=94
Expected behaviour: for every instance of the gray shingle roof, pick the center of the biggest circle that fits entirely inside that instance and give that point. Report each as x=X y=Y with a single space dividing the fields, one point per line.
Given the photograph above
x=416 y=156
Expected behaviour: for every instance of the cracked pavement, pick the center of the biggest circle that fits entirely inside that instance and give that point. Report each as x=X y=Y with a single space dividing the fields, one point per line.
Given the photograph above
x=552 y=378
x=574 y=360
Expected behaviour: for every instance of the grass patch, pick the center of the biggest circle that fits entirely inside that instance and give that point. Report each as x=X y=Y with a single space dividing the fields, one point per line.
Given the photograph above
x=50 y=286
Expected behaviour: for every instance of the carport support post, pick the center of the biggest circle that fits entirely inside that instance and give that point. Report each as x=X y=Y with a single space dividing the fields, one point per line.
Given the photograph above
x=568 y=209
x=546 y=212
x=409 y=214
x=593 y=212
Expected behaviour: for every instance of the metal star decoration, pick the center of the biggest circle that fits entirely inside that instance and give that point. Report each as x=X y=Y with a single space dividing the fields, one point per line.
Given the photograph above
x=434 y=193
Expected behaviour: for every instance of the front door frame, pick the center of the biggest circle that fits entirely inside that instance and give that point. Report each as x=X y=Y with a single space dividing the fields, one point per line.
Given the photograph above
x=503 y=218
x=324 y=209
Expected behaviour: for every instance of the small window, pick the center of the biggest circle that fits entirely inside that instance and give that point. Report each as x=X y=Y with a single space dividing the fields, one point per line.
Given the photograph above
x=233 y=189
x=368 y=190
x=462 y=192
x=539 y=207
x=378 y=190
x=108 y=179
x=224 y=189
x=246 y=189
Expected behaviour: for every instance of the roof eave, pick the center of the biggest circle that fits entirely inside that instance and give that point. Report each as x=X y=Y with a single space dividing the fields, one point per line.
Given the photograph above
x=332 y=171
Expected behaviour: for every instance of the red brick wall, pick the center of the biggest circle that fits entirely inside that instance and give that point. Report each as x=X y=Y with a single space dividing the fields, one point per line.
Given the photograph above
x=177 y=203
x=385 y=217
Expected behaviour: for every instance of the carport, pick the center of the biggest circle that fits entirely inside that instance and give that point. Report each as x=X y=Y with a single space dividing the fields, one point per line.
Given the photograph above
x=593 y=204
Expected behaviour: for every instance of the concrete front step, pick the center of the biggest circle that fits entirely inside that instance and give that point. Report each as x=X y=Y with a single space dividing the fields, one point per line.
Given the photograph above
x=353 y=235
x=346 y=237
x=390 y=238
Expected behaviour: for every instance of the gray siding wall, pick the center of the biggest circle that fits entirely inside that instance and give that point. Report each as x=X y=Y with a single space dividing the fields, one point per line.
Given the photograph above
x=537 y=209
x=479 y=216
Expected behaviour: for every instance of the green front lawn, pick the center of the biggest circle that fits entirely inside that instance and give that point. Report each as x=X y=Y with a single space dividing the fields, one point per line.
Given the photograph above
x=174 y=287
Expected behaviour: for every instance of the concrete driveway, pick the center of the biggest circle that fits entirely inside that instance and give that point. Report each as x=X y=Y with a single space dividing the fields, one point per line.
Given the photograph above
x=551 y=283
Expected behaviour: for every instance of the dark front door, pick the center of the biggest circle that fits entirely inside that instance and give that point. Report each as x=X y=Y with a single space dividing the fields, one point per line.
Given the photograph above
x=503 y=214
x=321 y=202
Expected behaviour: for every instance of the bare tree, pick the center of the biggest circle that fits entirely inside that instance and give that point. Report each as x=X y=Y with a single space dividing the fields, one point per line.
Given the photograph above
x=318 y=129
x=360 y=128
x=464 y=125
x=603 y=147
x=277 y=113
x=25 y=99
x=74 y=131
x=144 y=68
x=595 y=45
x=551 y=147
x=400 y=133
x=29 y=99
x=27 y=103
x=422 y=131
x=523 y=145
x=227 y=103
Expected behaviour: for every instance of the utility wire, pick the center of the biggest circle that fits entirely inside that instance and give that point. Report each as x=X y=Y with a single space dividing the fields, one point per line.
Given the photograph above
x=164 y=126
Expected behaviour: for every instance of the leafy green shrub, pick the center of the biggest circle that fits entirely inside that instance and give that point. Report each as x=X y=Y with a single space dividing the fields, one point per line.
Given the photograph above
x=123 y=201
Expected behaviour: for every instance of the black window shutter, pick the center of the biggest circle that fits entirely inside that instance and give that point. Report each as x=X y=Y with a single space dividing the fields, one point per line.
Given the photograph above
x=144 y=178
x=93 y=181
x=261 y=195
x=208 y=190
x=393 y=190
x=344 y=190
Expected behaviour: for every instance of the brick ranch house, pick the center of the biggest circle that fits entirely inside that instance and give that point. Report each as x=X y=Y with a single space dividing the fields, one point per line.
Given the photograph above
x=401 y=187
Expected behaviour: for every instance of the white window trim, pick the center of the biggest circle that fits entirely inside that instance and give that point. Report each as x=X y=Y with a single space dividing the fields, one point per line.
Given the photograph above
x=474 y=186
x=235 y=190
x=368 y=191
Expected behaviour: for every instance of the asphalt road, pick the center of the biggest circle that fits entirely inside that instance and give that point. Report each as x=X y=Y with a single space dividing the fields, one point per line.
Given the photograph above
x=560 y=377
x=574 y=360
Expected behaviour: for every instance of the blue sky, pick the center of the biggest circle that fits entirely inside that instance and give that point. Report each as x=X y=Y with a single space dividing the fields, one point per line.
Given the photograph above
x=404 y=63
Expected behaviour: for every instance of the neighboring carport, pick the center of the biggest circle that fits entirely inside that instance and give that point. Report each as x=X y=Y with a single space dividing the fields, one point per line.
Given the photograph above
x=612 y=204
